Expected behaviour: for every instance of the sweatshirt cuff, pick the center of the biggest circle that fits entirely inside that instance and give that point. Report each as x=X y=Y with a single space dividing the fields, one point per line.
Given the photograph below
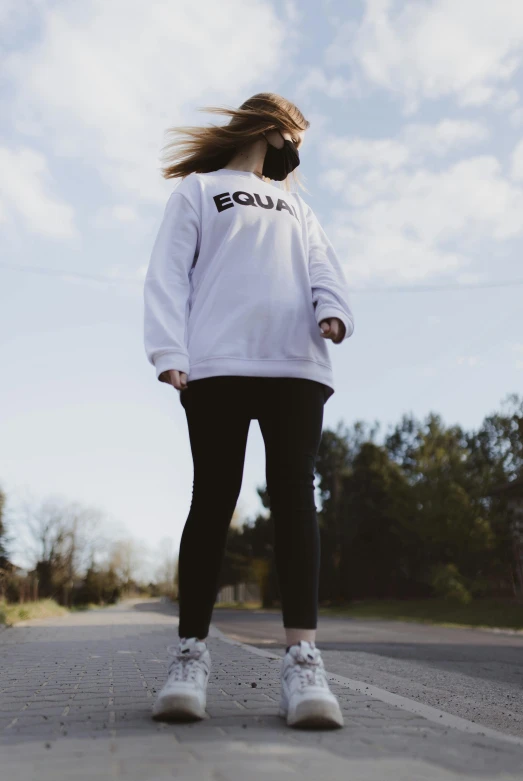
x=174 y=360
x=324 y=312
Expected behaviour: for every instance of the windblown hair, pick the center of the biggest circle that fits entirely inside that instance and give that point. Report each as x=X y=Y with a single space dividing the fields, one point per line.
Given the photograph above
x=204 y=149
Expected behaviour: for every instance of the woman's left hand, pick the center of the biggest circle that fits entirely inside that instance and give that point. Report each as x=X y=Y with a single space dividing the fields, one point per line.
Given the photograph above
x=332 y=328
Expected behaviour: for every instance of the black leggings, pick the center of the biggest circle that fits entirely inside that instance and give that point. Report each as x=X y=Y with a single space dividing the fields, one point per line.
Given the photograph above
x=290 y=414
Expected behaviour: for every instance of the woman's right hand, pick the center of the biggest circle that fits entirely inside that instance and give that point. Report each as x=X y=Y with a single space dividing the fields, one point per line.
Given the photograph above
x=175 y=378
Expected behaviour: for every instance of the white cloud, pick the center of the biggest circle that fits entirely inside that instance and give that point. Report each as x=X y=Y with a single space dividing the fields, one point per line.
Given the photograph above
x=469 y=361
x=291 y=11
x=13 y=17
x=26 y=192
x=122 y=273
x=518 y=349
x=416 y=141
x=370 y=250
x=399 y=219
x=517 y=161
x=471 y=278
x=507 y=100
x=320 y=124
x=123 y=213
x=516 y=117
x=316 y=80
x=440 y=139
x=104 y=80
x=120 y=215
x=429 y=50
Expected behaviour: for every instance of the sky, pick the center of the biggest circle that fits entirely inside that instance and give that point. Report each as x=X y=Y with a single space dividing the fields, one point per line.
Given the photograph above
x=413 y=164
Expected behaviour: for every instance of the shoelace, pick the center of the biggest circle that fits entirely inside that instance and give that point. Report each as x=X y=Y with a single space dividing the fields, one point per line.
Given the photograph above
x=183 y=666
x=309 y=668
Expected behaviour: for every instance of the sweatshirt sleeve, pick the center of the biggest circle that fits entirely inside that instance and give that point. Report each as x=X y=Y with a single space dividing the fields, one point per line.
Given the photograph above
x=167 y=286
x=330 y=292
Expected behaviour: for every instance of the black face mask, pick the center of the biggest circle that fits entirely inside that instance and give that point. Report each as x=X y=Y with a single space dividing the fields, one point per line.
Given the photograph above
x=279 y=163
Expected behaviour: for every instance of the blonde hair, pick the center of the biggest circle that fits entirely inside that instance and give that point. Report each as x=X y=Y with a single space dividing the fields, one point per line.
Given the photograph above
x=204 y=149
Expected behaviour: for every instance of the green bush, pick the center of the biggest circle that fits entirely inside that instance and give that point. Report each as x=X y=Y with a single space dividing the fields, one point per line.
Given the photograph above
x=448 y=583
x=43 y=608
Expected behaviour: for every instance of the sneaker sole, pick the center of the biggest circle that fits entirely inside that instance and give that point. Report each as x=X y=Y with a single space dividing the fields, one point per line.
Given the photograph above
x=178 y=707
x=314 y=714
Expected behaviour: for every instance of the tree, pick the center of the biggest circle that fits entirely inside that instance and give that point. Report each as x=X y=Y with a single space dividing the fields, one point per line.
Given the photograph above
x=379 y=542
x=451 y=514
x=126 y=560
x=62 y=538
x=497 y=457
x=497 y=446
x=99 y=586
x=3 y=534
x=166 y=567
x=258 y=537
x=403 y=443
x=5 y=565
x=333 y=464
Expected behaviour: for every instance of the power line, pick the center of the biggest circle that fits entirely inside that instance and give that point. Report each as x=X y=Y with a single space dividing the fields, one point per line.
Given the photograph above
x=53 y=272
x=439 y=288
x=389 y=289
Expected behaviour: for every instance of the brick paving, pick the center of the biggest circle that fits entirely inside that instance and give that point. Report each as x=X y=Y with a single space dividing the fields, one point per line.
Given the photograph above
x=76 y=695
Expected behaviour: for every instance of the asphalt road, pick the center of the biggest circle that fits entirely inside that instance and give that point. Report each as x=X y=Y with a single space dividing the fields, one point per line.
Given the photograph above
x=472 y=673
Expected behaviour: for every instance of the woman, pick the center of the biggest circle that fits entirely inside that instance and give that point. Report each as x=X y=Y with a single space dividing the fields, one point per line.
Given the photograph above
x=242 y=291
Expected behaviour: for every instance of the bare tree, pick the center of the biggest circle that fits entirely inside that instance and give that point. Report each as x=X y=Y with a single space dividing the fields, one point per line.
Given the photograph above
x=59 y=539
x=166 y=559
x=127 y=559
x=3 y=534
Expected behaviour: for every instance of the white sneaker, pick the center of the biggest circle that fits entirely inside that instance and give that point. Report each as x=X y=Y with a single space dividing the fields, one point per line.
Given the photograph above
x=306 y=700
x=183 y=697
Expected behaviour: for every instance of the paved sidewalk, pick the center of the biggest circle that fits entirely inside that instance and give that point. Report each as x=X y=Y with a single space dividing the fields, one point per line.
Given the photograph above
x=76 y=694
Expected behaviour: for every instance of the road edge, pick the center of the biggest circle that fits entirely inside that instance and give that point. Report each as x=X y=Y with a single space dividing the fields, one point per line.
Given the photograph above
x=404 y=703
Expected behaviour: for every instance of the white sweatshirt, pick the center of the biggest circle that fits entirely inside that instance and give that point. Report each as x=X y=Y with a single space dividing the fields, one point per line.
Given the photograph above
x=241 y=275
